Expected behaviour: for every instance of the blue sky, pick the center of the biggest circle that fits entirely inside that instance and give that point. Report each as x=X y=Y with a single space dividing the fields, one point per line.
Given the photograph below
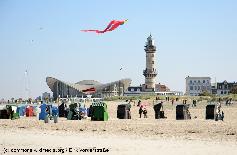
x=195 y=38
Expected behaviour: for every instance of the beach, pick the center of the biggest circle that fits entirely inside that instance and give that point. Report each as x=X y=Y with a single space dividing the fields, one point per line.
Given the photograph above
x=135 y=136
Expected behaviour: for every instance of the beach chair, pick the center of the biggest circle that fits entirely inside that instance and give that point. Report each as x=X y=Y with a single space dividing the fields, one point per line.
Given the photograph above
x=62 y=110
x=43 y=112
x=46 y=109
x=182 y=112
x=123 y=111
x=55 y=114
x=4 y=114
x=74 y=112
x=99 y=112
x=211 y=111
x=29 y=111
x=12 y=110
x=21 y=110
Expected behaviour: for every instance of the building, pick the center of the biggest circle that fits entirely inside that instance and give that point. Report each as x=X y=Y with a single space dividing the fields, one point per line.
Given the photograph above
x=135 y=88
x=197 y=85
x=161 y=88
x=133 y=91
x=64 y=89
x=150 y=72
x=45 y=95
x=223 y=88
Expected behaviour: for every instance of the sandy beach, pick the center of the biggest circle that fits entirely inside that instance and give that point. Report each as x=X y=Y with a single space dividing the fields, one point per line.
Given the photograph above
x=135 y=136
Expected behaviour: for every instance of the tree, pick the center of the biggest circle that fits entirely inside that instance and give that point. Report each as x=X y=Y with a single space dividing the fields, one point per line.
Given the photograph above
x=234 y=90
x=205 y=93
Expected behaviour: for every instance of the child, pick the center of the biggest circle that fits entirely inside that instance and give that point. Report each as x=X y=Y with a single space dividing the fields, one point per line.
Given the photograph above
x=145 y=113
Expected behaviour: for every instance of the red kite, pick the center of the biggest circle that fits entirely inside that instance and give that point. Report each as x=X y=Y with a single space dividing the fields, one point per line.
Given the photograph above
x=112 y=26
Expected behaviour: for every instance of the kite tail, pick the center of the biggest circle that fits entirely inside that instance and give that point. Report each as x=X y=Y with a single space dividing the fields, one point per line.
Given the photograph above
x=96 y=31
x=110 y=27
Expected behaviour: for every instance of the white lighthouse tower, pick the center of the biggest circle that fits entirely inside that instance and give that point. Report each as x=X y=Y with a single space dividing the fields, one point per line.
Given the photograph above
x=150 y=72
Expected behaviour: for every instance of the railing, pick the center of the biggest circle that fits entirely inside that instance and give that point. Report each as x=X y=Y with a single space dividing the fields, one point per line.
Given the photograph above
x=145 y=72
x=150 y=48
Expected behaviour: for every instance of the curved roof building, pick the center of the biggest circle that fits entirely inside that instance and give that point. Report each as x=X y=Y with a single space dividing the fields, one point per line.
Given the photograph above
x=65 y=89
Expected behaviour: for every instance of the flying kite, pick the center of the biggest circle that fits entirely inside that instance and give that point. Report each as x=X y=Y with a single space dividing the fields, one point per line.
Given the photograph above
x=112 y=26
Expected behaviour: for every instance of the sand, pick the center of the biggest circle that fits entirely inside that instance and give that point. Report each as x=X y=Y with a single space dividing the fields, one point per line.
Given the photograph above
x=135 y=136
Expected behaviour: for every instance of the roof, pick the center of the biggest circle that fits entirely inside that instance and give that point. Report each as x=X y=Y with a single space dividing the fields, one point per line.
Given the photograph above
x=204 y=77
x=86 y=84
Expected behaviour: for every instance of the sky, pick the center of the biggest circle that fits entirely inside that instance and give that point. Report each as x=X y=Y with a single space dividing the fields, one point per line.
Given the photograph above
x=193 y=38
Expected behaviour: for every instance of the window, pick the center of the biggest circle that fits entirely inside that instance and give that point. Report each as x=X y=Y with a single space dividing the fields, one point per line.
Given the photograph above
x=132 y=89
x=195 y=88
x=152 y=55
x=190 y=81
x=199 y=81
x=204 y=81
x=198 y=87
x=191 y=87
x=152 y=62
x=138 y=89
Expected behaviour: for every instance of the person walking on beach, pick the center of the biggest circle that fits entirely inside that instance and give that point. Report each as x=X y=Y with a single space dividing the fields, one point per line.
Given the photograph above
x=172 y=101
x=140 y=111
x=129 y=104
x=177 y=99
x=139 y=103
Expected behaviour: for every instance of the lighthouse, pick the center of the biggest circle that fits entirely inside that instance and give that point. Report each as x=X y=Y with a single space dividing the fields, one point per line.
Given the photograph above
x=150 y=72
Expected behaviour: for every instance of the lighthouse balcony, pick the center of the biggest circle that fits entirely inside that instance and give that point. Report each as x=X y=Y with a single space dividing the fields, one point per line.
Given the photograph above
x=149 y=73
x=150 y=48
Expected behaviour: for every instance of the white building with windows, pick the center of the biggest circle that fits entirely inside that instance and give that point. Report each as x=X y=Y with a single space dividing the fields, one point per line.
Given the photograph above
x=197 y=85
